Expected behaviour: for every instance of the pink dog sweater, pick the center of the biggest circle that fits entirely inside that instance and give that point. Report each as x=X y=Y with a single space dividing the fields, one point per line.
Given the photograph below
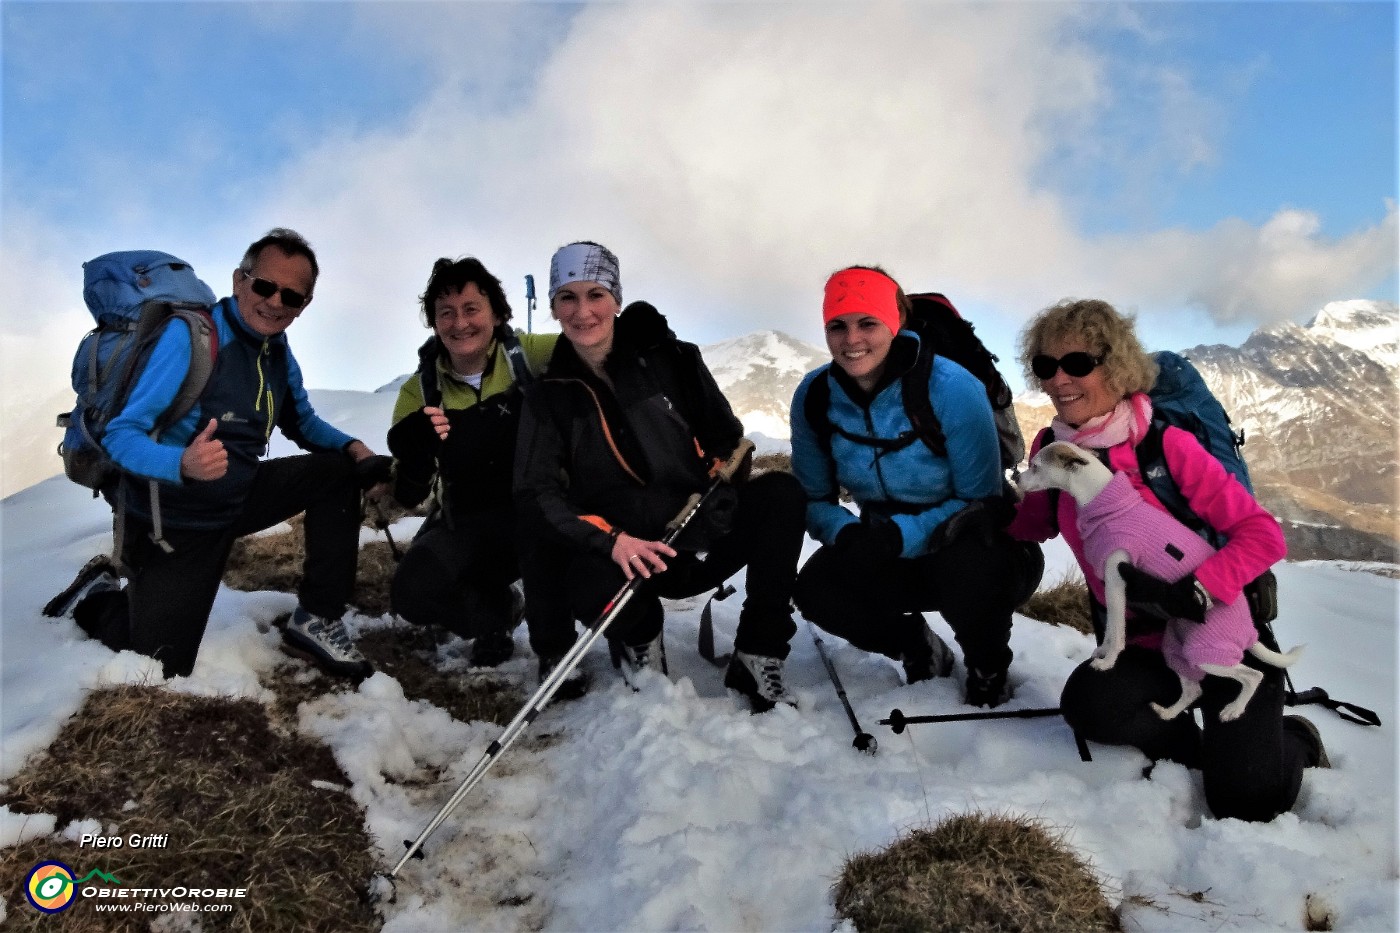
x=1158 y=544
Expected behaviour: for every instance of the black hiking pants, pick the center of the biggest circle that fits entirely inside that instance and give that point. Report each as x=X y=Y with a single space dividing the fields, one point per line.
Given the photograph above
x=563 y=584
x=1251 y=768
x=165 y=606
x=459 y=577
x=975 y=581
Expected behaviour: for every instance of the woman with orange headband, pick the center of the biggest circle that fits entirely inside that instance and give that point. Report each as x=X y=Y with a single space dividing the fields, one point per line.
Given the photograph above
x=912 y=547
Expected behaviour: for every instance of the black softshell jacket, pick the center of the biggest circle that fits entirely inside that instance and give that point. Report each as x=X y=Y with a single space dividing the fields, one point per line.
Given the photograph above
x=591 y=458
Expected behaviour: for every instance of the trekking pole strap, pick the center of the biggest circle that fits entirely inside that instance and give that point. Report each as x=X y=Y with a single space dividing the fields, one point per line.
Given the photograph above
x=1348 y=711
x=706 y=641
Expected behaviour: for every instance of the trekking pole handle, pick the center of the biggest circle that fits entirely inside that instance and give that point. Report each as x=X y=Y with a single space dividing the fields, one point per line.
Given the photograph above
x=736 y=460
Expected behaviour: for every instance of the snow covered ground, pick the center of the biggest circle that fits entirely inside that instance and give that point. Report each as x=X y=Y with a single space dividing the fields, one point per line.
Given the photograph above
x=673 y=808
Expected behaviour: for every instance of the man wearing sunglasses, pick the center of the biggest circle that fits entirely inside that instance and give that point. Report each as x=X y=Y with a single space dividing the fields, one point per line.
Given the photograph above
x=214 y=485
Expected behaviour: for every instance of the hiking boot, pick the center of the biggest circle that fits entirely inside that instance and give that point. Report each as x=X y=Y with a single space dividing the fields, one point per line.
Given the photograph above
x=987 y=689
x=492 y=649
x=575 y=683
x=929 y=656
x=631 y=660
x=96 y=576
x=760 y=679
x=326 y=644
x=1303 y=727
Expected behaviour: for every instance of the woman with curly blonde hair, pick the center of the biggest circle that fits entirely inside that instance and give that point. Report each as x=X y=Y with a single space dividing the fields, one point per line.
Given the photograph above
x=1086 y=357
x=1098 y=326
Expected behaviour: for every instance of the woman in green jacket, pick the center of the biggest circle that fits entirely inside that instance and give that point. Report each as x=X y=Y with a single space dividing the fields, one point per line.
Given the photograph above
x=453 y=438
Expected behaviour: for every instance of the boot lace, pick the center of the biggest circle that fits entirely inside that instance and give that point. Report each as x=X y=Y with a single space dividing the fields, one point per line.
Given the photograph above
x=770 y=678
x=332 y=632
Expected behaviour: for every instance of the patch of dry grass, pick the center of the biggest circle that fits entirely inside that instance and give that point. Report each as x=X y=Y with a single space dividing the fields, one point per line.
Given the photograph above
x=1064 y=602
x=235 y=797
x=273 y=562
x=769 y=463
x=974 y=873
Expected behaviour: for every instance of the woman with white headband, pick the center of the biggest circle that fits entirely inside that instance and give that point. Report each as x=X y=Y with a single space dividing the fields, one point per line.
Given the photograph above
x=625 y=425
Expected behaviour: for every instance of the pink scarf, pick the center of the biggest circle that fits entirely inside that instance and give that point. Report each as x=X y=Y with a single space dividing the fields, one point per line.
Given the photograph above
x=1127 y=421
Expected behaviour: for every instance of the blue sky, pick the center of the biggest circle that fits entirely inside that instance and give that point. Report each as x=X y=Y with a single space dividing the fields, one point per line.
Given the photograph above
x=1212 y=167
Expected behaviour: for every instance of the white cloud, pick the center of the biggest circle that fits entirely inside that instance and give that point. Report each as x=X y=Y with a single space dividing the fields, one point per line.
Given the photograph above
x=732 y=155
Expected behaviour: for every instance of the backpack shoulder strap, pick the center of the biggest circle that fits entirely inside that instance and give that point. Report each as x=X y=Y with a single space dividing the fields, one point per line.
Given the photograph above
x=428 y=386
x=816 y=408
x=204 y=353
x=515 y=356
x=1157 y=476
x=918 y=406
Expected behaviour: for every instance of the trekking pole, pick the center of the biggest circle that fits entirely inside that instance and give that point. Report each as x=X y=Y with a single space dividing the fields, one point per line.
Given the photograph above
x=864 y=740
x=536 y=704
x=384 y=527
x=898 y=721
x=529 y=304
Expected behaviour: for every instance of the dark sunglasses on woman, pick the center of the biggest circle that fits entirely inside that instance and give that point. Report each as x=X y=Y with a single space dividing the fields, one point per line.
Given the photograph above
x=264 y=288
x=1074 y=364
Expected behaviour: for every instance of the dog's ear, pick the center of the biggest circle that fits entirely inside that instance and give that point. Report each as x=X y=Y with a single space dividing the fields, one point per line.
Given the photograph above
x=1069 y=457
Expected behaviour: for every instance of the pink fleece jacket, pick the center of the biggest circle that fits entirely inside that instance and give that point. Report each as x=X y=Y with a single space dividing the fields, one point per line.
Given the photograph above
x=1255 y=539
x=1157 y=543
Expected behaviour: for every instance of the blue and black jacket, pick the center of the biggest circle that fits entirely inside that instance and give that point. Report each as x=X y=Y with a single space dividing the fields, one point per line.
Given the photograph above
x=917 y=488
x=256 y=385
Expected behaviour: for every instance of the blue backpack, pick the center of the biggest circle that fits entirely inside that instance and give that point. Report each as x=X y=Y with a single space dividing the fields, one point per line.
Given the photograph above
x=1181 y=398
x=131 y=295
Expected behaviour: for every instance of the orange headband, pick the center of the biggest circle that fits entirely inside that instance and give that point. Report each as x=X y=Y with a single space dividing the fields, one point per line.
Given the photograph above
x=862 y=291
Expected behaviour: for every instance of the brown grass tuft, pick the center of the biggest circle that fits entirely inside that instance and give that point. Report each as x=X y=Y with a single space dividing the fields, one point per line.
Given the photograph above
x=974 y=873
x=1064 y=602
x=273 y=562
x=768 y=463
x=235 y=797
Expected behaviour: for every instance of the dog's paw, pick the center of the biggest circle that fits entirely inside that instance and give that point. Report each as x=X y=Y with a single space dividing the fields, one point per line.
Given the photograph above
x=1104 y=659
x=1232 y=711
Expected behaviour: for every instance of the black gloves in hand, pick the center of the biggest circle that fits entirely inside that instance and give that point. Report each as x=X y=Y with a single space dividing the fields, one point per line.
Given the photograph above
x=373 y=470
x=874 y=536
x=982 y=518
x=1155 y=597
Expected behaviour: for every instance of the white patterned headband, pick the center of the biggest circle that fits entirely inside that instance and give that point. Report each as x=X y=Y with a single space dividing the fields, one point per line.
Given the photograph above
x=584 y=262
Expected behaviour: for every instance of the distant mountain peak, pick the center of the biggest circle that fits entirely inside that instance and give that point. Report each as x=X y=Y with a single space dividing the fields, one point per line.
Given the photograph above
x=1372 y=327
x=759 y=373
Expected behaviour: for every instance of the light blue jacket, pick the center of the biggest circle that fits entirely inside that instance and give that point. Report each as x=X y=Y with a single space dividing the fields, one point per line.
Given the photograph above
x=256 y=385
x=919 y=489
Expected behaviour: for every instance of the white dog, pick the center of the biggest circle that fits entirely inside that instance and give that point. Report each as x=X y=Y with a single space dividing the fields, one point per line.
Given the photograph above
x=1119 y=526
